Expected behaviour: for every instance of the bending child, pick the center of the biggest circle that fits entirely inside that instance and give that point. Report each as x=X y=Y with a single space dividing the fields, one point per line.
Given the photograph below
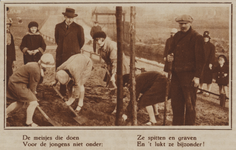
x=74 y=73
x=151 y=86
x=22 y=86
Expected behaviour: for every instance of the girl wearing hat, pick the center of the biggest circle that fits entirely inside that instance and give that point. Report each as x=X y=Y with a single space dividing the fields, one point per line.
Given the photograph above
x=108 y=51
x=209 y=53
x=22 y=86
x=74 y=77
x=221 y=72
x=32 y=44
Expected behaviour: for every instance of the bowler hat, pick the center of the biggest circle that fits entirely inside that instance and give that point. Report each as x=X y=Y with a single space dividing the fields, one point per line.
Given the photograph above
x=70 y=13
x=184 y=19
x=33 y=24
x=206 y=34
x=99 y=34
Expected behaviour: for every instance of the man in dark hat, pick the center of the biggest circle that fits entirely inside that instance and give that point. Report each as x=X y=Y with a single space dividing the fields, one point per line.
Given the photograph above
x=69 y=37
x=187 y=55
x=96 y=28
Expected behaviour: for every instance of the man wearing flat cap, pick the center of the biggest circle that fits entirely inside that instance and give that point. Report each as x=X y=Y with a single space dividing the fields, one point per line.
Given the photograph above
x=187 y=55
x=69 y=37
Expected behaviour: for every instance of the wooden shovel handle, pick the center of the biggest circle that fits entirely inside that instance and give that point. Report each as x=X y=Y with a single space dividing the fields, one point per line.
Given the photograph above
x=59 y=93
x=43 y=113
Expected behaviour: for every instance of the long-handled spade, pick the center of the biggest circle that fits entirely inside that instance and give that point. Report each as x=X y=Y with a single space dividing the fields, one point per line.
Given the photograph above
x=49 y=120
x=80 y=119
x=167 y=89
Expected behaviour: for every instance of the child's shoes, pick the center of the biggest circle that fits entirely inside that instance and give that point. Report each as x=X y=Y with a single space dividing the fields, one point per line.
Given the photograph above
x=31 y=125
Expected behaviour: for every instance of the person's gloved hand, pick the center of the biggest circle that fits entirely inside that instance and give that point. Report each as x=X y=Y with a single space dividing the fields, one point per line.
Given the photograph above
x=70 y=101
x=30 y=52
x=170 y=57
x=54 y=83
x=13 y=64
x=210 y=66
x=104 y=66
x=196 y=81
x=35 y=51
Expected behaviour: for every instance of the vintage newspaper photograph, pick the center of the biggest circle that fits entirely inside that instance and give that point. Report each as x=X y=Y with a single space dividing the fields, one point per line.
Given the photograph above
x=117 y=75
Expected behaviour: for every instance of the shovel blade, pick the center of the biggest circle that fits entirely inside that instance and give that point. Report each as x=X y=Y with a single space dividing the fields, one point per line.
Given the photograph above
x=48 y=119
x=81 y=119
x=54 y=123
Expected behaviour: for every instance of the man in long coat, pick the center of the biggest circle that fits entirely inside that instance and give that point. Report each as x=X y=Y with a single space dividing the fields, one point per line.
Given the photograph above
x=209 y=52
x=187 y=48
x=69 y=37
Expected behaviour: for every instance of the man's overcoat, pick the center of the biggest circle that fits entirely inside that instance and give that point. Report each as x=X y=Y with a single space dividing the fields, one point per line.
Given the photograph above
x=188 y=52
x=69 y=41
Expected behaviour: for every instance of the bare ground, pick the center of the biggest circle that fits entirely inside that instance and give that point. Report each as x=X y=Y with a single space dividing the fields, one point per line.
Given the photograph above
x=98 y=105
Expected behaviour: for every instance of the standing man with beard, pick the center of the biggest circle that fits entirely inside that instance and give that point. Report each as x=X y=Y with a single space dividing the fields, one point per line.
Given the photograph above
x=187 y=55
x=69 y=37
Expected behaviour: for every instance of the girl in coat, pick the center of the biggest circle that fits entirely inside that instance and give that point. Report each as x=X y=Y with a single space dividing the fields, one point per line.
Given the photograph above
x=32 y=44
x=22 y=86
x=222 y=74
